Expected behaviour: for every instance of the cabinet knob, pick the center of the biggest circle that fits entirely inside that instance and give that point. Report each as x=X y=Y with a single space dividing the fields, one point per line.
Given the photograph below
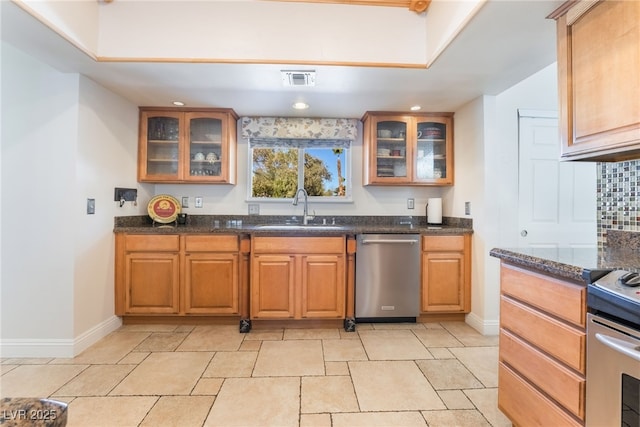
x=524 y=233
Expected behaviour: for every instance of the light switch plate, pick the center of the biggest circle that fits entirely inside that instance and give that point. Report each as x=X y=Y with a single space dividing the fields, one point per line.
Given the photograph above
x=91 y=206
x=467 y=208
x=198 y=202
x=254 y=209
x=410 y=203
x=185 y=201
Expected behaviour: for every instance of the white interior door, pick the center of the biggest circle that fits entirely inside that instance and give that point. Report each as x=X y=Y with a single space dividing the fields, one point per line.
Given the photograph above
x=557 y=200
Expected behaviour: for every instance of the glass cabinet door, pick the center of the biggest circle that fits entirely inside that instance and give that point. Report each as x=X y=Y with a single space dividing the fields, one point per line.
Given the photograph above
x=391 y=149
x=205 y=146
x=163 y=135
x=431 y=151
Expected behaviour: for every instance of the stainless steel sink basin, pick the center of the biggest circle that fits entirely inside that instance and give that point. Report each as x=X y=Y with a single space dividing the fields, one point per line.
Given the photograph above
x=318 y=227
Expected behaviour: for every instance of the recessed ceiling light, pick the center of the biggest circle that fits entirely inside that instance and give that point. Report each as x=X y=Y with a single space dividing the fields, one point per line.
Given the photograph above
x=415 y=108
x=300 y=106
x=178 y=103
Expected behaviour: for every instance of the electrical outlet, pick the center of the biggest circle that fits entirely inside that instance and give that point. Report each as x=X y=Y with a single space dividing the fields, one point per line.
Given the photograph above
x=467 y=208
x=185 y=201
x=410 y=203
x=91 y=206
x=198 y=202
x=254 y=209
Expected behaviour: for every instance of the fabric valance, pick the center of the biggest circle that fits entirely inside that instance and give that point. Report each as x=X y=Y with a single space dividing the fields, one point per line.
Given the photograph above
x=298 y=128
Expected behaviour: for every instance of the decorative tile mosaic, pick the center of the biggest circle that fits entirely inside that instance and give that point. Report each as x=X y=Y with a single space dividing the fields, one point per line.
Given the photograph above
x=618 y=204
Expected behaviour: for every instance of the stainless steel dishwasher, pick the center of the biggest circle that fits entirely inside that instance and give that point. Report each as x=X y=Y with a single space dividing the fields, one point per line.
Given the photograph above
x=387 y=277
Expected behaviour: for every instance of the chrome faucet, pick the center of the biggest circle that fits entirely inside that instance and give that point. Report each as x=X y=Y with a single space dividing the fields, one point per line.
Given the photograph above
x=305 y=214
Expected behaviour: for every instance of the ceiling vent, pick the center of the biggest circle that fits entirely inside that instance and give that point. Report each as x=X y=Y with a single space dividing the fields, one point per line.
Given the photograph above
x=298 y=78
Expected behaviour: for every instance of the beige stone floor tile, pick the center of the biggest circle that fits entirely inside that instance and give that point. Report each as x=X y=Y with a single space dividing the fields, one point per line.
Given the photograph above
x=364 y=327
x=469 y=336
x=336 y=368
x=148 y=328
x=212 y=338
x=96 y=380
x=162 y=341
x=6 y=368
x=379 y=419
x=455 y=418
x=392 y=386
x=231 y=364
x=441 y=353
x=250 y=345
x=184 y=328
x=481 y=361
x=343 y=350
x=486 y=401
x=179 y=411
x=311 y=334
x=27 y=361
x=174 y=373
x=327 y=394
x=315 y=420
x=108 y=411
x=246 y=402
x=134 y=358
x=448 y=374
x=433 y=325
x=265 y=335
x=289 y=358
x=437 y=338
x=111 y=349
x=387 y=326
x=37 y=380
x=353 y=335
x=400 y=344
x=455 y=399
x=207 y=387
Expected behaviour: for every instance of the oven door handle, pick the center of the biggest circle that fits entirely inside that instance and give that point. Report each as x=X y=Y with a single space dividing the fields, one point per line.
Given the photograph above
x=621 y=346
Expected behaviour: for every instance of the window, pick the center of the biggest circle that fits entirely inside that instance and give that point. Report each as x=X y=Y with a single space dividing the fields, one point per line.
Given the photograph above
x=280 y=166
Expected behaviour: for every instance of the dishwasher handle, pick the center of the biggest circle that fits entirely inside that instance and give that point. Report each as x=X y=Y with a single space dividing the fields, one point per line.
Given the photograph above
x=378 y=241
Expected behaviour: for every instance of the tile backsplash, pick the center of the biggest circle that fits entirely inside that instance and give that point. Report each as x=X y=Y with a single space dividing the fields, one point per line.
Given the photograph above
x=618 y=205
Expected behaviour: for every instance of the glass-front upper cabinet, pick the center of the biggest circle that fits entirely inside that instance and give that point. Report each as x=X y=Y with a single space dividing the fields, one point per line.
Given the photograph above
x=179 y=145
x=408 y=149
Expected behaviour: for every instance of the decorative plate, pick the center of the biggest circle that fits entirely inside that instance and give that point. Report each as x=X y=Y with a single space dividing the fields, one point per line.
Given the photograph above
x=163 y=208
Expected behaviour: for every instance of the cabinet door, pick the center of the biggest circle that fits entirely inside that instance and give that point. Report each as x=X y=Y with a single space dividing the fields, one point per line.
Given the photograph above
x=159 y=153
x=273 y=286
x=211 y=283
x=152 y=283
x=434 y=151
x=443 y=278
x=207 y=148
x=323 y=286
x=390 y=151
x=598 y=69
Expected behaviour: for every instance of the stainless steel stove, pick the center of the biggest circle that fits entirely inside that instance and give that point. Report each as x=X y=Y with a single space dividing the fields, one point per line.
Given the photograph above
x=613 y=350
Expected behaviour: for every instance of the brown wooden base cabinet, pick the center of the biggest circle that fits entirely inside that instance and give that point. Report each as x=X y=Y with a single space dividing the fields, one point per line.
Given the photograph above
x=446 y=274
x=542 y=353
x=177 y=274
x=298 y=278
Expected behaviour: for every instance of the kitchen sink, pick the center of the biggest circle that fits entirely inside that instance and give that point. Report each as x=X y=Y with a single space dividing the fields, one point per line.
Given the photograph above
x=319 y=227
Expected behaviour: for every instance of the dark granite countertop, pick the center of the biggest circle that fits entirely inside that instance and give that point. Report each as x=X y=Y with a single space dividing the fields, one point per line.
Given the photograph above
x=622 y=252
x=239 y=224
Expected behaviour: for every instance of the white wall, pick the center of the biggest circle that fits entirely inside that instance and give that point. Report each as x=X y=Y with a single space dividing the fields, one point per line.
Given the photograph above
x=64 y=139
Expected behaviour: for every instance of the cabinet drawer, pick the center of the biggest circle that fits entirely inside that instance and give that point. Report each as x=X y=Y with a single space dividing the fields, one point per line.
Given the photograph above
x=557 y=297
x=560 y=340
x=513 y=391
x=295 y=245
x=206 y=243
x=150 y=242
x=563 y=385
x=442 y=243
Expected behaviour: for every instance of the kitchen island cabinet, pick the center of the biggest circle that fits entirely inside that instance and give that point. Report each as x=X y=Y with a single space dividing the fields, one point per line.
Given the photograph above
x=298 y=277
x=446 y=275
x=408 y=148
x=542 y=350
x=178 y=145
x=598 y=46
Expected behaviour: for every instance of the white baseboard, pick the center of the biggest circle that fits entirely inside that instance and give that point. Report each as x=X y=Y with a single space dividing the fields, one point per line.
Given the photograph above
x=485 y=327
x=58 y=347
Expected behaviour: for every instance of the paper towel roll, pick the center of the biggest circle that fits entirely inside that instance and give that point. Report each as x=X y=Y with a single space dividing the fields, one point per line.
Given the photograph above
x=434 y=211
